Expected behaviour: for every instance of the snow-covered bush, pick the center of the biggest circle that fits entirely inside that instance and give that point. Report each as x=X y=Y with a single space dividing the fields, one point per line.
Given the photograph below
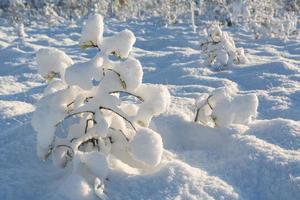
x=266 y=18
x=219 y=49
x=216 y=10
x=106 y=105
x=225 y=106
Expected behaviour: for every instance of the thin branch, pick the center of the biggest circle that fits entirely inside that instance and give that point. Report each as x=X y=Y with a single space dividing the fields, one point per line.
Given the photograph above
x=67 y=146
x=128 y=93
x=73 y=114
x=95 y=46
x=123 y=83
x=87 y=124
x=75 y=138
x=69 y=104
x=207 y=101
x=201 y=107
x=49 y=152
x=127 y=139
x=93 y=140
x=87 y=99
x=131 y=124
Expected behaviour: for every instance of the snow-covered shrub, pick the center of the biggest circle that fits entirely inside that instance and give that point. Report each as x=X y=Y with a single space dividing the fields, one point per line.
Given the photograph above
x=225 y=106
x=217 y=10
x=266 y=18
x=267 y=26
x=219 y=49
x=106 y=105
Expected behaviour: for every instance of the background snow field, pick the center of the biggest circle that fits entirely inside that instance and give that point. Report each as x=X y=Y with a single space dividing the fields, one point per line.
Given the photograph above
x=259 y=160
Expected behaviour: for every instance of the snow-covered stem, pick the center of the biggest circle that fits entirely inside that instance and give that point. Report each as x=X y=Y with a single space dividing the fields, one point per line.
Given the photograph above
x=202 y=106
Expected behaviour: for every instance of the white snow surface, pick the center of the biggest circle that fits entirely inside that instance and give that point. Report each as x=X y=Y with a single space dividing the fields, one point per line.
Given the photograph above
x=259 y=160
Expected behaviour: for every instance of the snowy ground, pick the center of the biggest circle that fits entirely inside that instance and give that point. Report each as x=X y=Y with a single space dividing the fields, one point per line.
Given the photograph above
x=261 y=161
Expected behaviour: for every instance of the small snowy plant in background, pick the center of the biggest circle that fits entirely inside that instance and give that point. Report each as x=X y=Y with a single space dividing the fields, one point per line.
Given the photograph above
x=106 y=106
x=225 y=106
x=219 y=49
x=270 y=19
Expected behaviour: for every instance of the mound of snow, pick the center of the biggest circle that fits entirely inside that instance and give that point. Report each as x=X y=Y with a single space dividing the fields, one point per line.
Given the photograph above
x=146 y=147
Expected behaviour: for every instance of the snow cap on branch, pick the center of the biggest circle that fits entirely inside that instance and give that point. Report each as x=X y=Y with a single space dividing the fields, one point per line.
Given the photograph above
x=119 y=44
x=128 y=69
x=52 y=62
x=92 y=31
x=82 y=74
x=156 y=101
